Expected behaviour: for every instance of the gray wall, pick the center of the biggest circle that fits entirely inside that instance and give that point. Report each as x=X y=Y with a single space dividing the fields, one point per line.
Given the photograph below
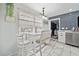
x=68 y=20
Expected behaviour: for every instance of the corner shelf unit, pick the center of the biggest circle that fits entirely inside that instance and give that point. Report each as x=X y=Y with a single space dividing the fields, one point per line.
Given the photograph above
x=29 y=31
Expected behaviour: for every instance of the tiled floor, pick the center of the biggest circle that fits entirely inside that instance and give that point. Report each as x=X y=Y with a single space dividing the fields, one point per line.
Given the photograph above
x=59 y=49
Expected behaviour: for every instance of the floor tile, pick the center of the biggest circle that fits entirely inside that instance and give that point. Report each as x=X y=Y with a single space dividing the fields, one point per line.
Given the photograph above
x=75 y=50
x=56 y=48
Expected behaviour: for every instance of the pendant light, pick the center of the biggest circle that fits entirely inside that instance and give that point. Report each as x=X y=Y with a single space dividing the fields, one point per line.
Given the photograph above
x=43 y=10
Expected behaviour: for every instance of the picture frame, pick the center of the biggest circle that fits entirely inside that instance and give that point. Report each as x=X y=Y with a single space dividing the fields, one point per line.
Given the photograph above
x=10 y=13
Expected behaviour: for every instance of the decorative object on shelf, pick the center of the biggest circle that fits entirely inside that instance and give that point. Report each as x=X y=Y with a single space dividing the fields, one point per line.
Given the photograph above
x=62 y=28
x=73 y=28
x=10 y=16
x=77 y=29
x=66 y=28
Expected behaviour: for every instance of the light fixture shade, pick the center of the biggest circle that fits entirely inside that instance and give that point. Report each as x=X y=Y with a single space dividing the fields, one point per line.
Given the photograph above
x=43 y=17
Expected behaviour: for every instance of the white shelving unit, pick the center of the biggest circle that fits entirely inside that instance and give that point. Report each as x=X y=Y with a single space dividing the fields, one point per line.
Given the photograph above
x=29 y=31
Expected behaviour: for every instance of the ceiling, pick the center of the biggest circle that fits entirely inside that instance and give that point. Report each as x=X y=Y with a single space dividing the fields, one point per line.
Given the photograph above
x=53 y=9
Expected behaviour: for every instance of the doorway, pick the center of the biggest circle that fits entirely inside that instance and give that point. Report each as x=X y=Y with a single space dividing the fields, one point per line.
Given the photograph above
x=57 y=22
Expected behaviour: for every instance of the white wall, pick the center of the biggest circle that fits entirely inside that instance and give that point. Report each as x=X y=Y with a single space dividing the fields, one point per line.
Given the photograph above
x=23 y=7
x=8 y=32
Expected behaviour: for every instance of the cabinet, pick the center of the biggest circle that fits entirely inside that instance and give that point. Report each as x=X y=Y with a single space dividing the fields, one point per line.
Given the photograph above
x=61 y=36
x=72 y=38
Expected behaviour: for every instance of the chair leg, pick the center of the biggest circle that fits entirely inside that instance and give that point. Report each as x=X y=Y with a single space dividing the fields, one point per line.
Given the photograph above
x=40 y=50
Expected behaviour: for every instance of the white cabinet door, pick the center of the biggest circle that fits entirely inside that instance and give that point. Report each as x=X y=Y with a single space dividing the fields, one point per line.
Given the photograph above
x=61 y=37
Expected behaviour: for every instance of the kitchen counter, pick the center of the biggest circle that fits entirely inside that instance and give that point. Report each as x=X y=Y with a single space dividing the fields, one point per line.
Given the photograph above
x=72 y=38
